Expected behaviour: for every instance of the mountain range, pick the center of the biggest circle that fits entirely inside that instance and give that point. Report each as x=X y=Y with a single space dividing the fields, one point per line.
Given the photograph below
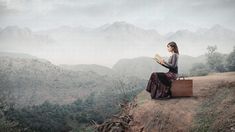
x=26 y=80
x=29 y=80
x=110 y=42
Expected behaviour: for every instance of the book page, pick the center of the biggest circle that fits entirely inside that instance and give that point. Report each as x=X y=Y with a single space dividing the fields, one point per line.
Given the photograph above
x=157 y=58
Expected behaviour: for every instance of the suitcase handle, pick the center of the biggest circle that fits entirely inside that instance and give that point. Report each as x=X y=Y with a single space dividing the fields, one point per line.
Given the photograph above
x=181 y=77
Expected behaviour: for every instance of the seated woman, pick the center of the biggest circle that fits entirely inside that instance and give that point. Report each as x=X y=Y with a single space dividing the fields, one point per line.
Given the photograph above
x=159 y=83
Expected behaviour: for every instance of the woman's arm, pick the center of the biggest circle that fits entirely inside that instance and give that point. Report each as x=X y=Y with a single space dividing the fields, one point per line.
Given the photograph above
x=173 y=64
x=161 y=62
x=165 y=66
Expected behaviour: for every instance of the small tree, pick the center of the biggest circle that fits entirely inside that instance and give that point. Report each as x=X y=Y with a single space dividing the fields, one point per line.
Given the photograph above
x=215 y=60
x=125 y=90
x=230 y=61
x=6 y=125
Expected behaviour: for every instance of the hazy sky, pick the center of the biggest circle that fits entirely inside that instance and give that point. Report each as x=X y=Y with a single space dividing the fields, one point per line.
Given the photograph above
x=162 y=15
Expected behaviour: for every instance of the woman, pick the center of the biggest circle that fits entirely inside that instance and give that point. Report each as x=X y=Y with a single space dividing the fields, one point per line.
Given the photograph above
x=159 y=83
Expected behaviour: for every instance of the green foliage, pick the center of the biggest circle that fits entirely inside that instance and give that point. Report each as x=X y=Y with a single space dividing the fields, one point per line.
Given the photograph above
x=215 y=60
x=6 y=125
x=199 y=69
x=45 y=117
x=230 y=65
x=54 y=117
x=75 y=116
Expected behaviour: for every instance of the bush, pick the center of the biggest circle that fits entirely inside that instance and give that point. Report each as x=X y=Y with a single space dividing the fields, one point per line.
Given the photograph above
x=199 y=69
x=6 y=125
x=45 y=117
x=75 y=116
x=230 y=64
x=215 y=60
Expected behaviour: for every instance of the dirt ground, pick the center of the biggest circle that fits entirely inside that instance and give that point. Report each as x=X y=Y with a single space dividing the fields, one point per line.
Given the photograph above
x=176 y=114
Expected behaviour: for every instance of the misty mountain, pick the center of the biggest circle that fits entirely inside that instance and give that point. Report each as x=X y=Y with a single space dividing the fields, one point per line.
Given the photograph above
x=16 y=38
x=142 y=67
x=106 y=44
x=101 y=70
x=21 y=55
x=123 y=35
x=16 y=55
x=121 y=31
x=119 y=35
x=186 y=62
x=199 y=40
x=62 y=32
x=29 y=81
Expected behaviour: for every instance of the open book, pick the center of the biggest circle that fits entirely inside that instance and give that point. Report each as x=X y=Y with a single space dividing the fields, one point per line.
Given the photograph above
x=157 y=58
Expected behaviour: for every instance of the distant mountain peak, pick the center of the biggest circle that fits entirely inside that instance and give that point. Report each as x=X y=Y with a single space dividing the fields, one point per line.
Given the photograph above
x=16 y=28
x=220 y=28
x=122 y=23
x=217 y=26
x=183 y=31
x=119 y=25
x=12 y=27
x=15 y=31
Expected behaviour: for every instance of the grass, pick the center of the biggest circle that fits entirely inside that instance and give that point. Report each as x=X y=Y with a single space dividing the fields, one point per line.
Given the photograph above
x=215 y=108
x=159 y=119
x=142 y=98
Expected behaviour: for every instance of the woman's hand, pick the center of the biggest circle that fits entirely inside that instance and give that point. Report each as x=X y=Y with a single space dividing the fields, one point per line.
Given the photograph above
x=161 y=61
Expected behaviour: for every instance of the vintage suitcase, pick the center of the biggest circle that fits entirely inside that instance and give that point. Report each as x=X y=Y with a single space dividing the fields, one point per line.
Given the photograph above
x=182 y=87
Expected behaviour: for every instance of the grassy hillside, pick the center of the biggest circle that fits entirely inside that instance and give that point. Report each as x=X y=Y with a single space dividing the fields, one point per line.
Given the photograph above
x=210 y=109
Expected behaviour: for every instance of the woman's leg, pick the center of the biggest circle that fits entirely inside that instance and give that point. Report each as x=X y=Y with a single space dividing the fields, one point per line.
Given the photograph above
x=151 y=81
x=153 y=86
x=156 y=87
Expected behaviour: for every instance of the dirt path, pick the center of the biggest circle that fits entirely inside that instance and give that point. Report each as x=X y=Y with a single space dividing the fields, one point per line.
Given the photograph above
x=174 y=114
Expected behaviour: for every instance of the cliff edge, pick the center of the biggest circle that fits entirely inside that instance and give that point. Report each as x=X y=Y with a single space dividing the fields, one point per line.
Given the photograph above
x=212 y=107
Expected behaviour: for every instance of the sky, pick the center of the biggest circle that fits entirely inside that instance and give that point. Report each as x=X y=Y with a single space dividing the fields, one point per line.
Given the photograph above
x=162 y=15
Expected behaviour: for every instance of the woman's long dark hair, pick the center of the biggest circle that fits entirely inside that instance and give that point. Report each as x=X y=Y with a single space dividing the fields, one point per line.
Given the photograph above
x=175 y=47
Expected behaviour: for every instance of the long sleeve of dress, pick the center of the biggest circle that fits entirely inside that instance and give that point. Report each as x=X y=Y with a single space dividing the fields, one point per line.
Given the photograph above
x=172 y=63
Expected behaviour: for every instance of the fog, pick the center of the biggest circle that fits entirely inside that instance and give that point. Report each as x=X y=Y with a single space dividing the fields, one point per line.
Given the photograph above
x=103 y=32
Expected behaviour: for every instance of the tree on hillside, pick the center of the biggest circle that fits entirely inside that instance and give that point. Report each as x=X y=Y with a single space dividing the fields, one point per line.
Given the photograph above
x=6 y=125
x=230 y=61
x=199 y=69
x=215 y=60
x=125 y=90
